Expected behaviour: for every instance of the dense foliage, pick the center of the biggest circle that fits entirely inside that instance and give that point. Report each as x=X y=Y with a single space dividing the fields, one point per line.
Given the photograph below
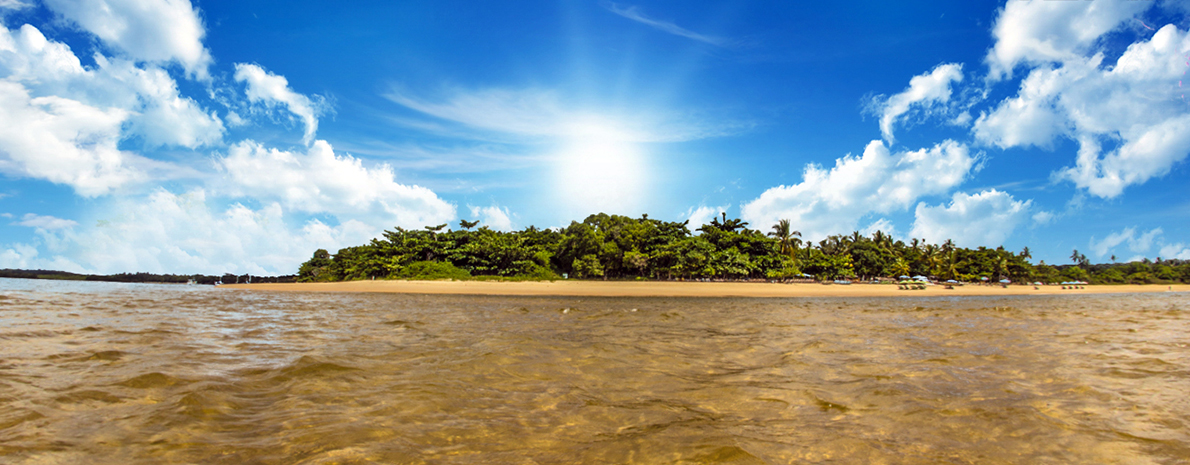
x=618 y=247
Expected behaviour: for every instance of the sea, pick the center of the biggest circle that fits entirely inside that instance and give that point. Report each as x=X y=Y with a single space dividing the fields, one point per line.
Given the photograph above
x=106 y=373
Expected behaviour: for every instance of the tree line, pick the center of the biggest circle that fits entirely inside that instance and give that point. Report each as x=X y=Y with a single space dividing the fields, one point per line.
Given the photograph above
x=144 y=277
x=606 y=246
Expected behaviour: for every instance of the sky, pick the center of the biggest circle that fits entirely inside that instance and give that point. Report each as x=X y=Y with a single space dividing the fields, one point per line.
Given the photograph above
x=171 y=136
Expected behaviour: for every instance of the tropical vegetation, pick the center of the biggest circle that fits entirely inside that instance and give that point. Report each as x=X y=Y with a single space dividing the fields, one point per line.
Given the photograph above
x=606 y=246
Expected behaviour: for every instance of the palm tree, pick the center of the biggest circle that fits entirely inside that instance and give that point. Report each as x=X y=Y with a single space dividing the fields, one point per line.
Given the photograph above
x=932 y=255
x=728 y=225
x=1026 y=254
x=786 y=237
x=952 y=270
x=855 y=238
x=900 y=268
x=1001 y=266
x=882 y=240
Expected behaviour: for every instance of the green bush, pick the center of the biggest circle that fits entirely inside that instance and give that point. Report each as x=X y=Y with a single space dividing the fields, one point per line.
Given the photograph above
x=431 y=270
x=537 y=273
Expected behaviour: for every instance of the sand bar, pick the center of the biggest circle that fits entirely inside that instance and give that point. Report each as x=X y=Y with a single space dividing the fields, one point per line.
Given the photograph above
x=690 y=289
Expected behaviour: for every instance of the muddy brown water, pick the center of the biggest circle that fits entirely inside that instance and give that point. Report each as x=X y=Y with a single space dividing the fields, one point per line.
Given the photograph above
x=125 y=374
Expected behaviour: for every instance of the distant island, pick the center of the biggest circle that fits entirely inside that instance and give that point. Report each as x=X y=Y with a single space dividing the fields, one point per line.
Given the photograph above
x=618 y=247
x=145 y=277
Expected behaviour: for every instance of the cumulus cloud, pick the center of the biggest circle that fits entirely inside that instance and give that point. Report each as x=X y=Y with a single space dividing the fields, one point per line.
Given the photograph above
x=34 y=220
x=272 y=89
x=185 y=233
x=321 y=181
x=924 y=93
x=987 y=218
x=144 y=30
x=149 y=98
x=18 y=256
x=64 y=141
x=634 y=13
x=1128 y=118
x=536 y=113
x=833 y=201
x=702 y=214
x=1175 y=251
x=158 y=112
x=494 y=217
x=1052 y=31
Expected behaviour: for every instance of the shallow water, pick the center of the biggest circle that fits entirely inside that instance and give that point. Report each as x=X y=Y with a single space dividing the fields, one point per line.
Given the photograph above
x=116 y=373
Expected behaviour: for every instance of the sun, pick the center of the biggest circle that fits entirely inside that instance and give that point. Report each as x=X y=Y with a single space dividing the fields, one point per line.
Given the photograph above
x=598 y=173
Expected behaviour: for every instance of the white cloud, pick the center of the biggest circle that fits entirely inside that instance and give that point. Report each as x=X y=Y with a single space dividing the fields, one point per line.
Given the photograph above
x=833 y=201
x=494 y=217
x=1043 y=217
x=14 y=4
x=1171 y=251
x=984 y=219
x=146 y=30
x=159 y=113
x=65 y=142
x=1145 y=241
x=536 y=113
x=17 y=256
x=47 y=222
x=272 y=89
x=883 y=225
x=182 y=233
x=924 y=93
x=698 y=216
x=1042 y=32
x=632 y=12
x=1027 y=119
x=148 y=97
x=320 y=181
x=1101 y=248
x=26 y=55
x=1139 y=244
x=1134 y=106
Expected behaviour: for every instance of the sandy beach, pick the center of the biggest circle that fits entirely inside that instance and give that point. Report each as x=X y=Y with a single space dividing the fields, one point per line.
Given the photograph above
x=689 y=289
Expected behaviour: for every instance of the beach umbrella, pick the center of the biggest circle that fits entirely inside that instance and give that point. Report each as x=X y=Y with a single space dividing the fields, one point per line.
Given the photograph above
x=1005 y=281
x=951 y=281
x=920 y=278
x=903 y=277
x=985 y=278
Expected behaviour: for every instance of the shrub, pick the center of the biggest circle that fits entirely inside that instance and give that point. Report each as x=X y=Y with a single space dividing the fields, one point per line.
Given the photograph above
x=537 y=273
x=430 y=271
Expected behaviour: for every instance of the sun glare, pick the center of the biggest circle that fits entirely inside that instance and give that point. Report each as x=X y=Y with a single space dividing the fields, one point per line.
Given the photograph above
x=597 y=174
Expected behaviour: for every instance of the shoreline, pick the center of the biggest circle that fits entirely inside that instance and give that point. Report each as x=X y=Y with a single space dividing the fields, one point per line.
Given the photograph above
x=576 y=288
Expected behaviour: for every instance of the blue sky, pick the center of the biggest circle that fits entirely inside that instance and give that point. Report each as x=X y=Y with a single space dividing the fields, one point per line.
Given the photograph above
x=212 y=137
